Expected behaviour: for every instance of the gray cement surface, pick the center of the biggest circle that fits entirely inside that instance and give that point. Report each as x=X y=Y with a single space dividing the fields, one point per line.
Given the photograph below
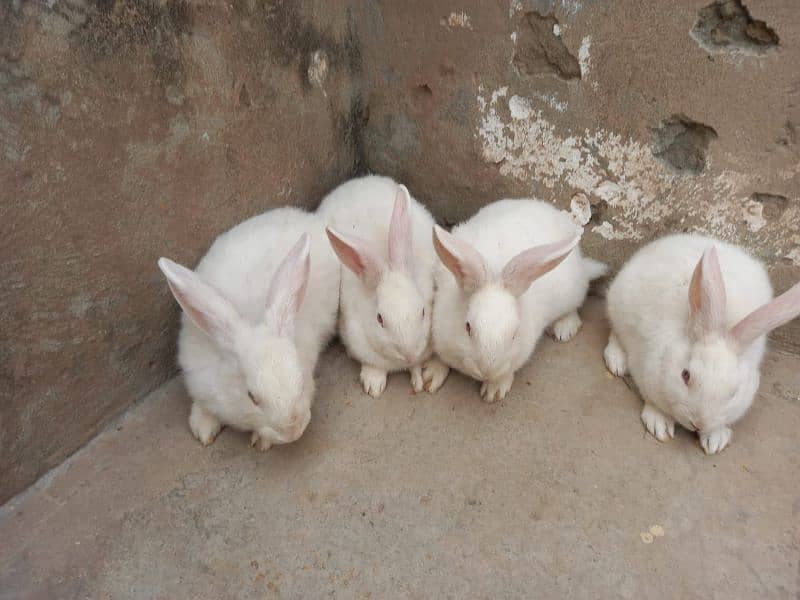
x=555 y=492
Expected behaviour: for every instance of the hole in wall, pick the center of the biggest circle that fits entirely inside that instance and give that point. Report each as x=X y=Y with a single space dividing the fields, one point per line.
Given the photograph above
x=726 y=26
x=682 y=143
x=773 y=204
x=422 y=95
x=244 y=96
x=423 y=91
x=539 y=51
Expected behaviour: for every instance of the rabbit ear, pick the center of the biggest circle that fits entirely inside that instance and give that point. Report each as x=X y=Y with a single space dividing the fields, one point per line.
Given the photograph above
x=356 y=254
x=288 y=287
x=529 y=265
x=206 y=307
x=764 y=319
x=461 y=259
x=707 y=300
x=400 y=233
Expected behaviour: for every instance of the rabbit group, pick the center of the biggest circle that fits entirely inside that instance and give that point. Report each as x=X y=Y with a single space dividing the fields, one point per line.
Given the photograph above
x=689 y=314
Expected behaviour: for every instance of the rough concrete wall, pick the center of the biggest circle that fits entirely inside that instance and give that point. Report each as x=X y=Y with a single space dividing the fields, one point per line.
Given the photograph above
x=131 y=130
x=641 y=117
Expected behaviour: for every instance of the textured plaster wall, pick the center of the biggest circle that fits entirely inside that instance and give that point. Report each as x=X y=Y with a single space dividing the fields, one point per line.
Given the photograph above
x=131 y=130
x=639 y=117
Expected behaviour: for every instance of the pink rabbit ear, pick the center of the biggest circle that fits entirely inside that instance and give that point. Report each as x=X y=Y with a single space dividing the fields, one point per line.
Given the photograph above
x=357 y=255
x=707 y=299
x=288 y=287
x=209 y=310
x=461 y=259
x=401 y=254
x=764 y=319
x=529 y=265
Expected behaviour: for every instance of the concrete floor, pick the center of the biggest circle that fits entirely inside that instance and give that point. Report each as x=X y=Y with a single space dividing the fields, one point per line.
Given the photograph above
x=551 y=493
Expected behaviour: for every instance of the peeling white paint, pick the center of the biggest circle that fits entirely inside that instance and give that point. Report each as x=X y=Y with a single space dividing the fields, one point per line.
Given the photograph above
x=457 y=20
x=572 y=7
x=318 y=68
x=753 y=215
x=622 y=172
x=551 y=101
x=794 y=256
x=584 y=58
x=556 y=30
x=519 y=107
x=514 y=6
x=580 y=209
x=606 y=230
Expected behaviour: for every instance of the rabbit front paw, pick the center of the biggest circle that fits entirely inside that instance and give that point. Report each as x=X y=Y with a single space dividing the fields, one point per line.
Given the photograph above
x=434 y=373
x=615 y=357
x=260 y=442
x=373 y=380
x=492 y=391
x=566 y=327
x=203 y=424
x=417 y=382
x=716 y=440
x=657 y=423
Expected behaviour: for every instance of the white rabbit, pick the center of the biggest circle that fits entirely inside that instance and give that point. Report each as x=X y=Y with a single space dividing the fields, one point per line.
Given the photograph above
x=258 y=310
x=689 y=316
x=382 y=235
x=505 y=289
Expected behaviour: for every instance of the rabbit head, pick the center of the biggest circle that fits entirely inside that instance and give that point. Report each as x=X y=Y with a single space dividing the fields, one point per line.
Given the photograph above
x=397 y=319
x=270 y=390
x=492 y=313
x=704 y=372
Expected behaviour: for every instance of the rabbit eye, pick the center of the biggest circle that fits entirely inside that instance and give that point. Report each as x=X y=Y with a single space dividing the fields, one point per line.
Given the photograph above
x=469 y=328
x=252 y=397
x=423 y=313
x=380 y=319
x=686 y=376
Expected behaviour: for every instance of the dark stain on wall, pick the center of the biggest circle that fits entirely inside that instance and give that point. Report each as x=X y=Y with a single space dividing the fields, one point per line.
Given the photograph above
x=539 y=51
x=117 y=28
x=682 y=143
x=773 y=205
x=292 y=39
x=726 y=25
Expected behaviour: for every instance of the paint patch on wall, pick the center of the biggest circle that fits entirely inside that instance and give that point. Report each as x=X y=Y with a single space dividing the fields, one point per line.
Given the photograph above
x=584 y=58
x=641 y=195
x=683 y=143
x=456 y=20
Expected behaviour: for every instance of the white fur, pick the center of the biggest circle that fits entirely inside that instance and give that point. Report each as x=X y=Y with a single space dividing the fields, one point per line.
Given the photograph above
x=505 y=327
x=264 y=343
x=398 y=287
x=657 y=333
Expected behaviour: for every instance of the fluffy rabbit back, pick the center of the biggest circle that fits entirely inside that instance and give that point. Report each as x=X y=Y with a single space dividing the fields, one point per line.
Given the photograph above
x=655 y=281
x=240 y=265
